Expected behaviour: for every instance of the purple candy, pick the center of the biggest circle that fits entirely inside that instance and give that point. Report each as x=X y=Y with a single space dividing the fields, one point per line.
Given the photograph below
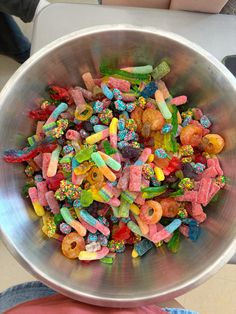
x=205 y=122
x=65 y=228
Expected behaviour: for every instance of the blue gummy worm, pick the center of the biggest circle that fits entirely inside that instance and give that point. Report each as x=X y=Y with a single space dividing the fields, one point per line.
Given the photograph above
x=88 y=218
x=61 y=108
x=107 y=92
x=173 y=226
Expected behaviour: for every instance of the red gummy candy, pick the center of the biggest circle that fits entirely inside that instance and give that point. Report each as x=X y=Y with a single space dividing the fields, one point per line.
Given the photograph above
x=41 y=114
x=122 y=232
x=13 y=156
x=200 y=158
x=174 y=165
x=54 y=182
x=59 y=93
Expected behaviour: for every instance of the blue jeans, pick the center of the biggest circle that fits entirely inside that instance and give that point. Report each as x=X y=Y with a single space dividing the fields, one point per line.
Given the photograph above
x=22 y=293
x=34 y=290
x=13 y=43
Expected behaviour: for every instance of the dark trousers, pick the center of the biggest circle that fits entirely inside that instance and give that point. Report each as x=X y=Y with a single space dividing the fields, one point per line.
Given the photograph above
x=13 y=43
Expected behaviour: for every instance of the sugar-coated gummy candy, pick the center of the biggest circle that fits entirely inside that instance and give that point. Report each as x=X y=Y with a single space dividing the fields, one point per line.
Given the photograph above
x=170 y=207
x=213 y=143
x=130 y=152
x=65 y=228
x=86 y=198
x=84 y=154
x=121 y=164
x=72 y=245
x=191 y=135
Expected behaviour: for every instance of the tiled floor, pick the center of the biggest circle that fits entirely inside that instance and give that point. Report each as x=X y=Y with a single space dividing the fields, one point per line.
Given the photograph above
x=216 y=296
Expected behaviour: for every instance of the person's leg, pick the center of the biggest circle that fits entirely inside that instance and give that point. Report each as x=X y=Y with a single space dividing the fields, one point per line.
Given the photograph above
x=22 y=293
x=24 y=9
x=13 y=43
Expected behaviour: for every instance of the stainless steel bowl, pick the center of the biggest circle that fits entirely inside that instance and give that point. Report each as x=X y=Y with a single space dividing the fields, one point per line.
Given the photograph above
x=159 y=275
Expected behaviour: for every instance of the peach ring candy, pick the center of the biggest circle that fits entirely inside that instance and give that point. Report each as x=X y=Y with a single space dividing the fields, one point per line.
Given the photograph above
x=72 y=245
x=151 y=212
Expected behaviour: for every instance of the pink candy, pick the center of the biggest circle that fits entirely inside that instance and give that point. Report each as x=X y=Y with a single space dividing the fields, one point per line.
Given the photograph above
x=39 y=160
x=122 y=85
x=205 y=186
x=124 y=179
x=88 y=226
x=210 y=172
x=78 y=99
x=180 y=100
x=128 y=97
x=52 y=202
x=135 y=178
x=73 y=135
x=215 y=163
x=42 y=190
x=189 y=196
x=86 y=93
x=45 y=164
x=213 y=191
x=139 y=199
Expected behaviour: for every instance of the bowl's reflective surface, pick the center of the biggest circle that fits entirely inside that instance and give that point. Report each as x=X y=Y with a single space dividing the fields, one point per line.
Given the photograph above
x=159 y=275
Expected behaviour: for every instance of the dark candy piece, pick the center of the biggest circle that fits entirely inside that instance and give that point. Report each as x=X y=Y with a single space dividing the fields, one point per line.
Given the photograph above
x=130 y=152
x=87 y=126
x=188 y=171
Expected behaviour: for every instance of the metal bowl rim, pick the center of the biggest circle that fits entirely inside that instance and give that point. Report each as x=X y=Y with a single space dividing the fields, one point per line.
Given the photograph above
x=66 y=290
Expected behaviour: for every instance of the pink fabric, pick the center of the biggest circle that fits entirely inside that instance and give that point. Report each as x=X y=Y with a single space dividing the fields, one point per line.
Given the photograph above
x=58 y=304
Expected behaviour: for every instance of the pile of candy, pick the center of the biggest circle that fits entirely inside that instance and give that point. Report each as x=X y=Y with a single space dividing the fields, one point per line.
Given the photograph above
x=120 y=163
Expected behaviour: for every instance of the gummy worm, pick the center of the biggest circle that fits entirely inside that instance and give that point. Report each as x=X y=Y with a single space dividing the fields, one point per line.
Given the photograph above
x=166 y=231
x=162 y=105
x=56 y=112
x=91 y=256
x=33 y=194
x=112 y=163
x=94 y=222
x=92 y=139
x=113 y=132
x=13 y=155
x=72 y=222
x=52 y=167
x=103 y=167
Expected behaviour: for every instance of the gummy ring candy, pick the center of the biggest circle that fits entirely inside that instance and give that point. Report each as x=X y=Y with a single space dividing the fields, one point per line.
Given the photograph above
x=95 y=176
x=85 y=114
x=191 y=135
x=72 y=245
x=170 y=207
x=151 y=212
x=213 y=143
x=153 y=118
x=83 y=168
